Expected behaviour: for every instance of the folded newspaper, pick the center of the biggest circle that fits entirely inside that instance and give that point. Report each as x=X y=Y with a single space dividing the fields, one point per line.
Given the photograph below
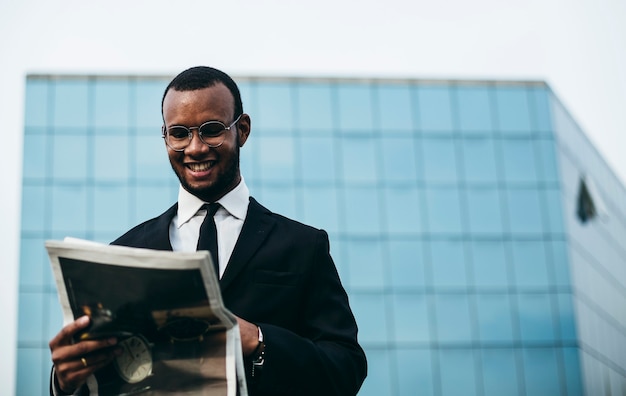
x=166 y=310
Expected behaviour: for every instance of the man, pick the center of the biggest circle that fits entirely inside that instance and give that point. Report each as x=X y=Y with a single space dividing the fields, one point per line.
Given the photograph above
x=276 y=275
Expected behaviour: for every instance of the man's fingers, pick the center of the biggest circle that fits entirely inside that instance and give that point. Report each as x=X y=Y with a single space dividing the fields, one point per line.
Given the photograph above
x=64 y=337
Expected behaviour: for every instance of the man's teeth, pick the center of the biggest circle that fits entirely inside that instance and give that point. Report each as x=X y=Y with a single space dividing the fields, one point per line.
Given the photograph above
x=200 y=167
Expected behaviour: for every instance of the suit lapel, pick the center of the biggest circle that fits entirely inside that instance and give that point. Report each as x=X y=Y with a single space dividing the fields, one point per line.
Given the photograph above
x=159 y=237
x=256 y=229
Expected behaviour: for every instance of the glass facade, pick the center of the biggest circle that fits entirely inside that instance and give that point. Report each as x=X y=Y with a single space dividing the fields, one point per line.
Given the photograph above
x=451 y=208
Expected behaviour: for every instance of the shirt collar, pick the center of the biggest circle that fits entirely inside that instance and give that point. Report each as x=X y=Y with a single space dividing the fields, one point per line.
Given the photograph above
x=235 y=202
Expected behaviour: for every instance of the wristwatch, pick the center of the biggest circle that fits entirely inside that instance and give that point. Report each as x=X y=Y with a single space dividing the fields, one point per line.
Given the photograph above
x=258 y=357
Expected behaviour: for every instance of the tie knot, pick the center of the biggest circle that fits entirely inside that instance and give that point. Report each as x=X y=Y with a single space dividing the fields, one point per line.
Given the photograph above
x=211 y=208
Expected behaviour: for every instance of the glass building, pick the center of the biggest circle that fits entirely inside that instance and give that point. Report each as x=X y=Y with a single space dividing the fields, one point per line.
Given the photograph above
x=474 y=225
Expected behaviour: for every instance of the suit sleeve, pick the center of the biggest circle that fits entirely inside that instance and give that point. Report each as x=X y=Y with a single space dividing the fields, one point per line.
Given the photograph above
x=321 y=356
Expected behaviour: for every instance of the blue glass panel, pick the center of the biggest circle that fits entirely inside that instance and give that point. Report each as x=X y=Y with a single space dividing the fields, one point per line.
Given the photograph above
x=359 y=162
x=518 y=158
x=150 y=201
x=361 y=208
x=355 y=108
x=439 y=156
x=443 y=210
x=69 y=208
x=33 y=208
x=54 y=318
x=248 y=160
x=151 y=161
x=399 y=160
x=403 y=208
x=410 y=312
x=277 y=158
x=494 y=317
x=549 y=166
x=71 y=100
x=524 y=211
x=406 y=264
x=35 y=156
x=394 y=108
x=281 y=200
x=378 y=381
x=554 y=210
x=319 y=206
x=111 y=161
x=315 y=107
x=490 y=267
x=33 y=259
x=499 y=372
x=484 y=210
x=513 y=109
x=529 y=264
x=69 y=157
x=317 y=159
x=30 y=380
x=275 y=112
x=479 y=160
x=434 y=108
x=572 y=368
x=566 y=317
x=474 y=109
x=561 y=261
x=453 y=318
x=414 y=372
x=541 y=372
x=458 y=376
x=535 y=317
x=36 y=103
x=368 y=310
x=111 y=211
x=448 y=264
x=540 y=99
x=111 y=103
x=30 y=321
x=148 y=103
x=365 y=264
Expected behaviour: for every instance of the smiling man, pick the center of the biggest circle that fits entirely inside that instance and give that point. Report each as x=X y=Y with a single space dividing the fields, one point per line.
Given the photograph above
x=298 y=334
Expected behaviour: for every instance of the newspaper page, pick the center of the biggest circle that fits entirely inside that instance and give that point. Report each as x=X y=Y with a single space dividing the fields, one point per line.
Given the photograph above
x=166 y=310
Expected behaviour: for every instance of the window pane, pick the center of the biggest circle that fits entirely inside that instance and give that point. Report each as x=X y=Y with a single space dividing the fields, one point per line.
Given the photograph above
x=399 y=160
x=448 y=264
x=394 y=108
x=151 y=159
x=281 y=200
x=111 y=158
x=541 y=373
x=36 y=103
x=443 y=210
x=69 y=208
x=479 y=160
x=368 y=310
x=403 y=210
x=30 y=321
x=71 y=101
x=453 y=318
x=490 y=269
x=529 y=264
x=484 y=210
x=524 y=211
x=535 y=317
x=151 y=201
x=35 y=156
x=414 y=372
x=359 y=159
x=315 y=107
x=148 y=104
x=365 y=264
x=474 y=109
x=439 y=158
x=406 y=263
x=494 y=317
x=434 y=108
x=317 y=159
x=411 y=322
x=275 y=113
x=499 y=372
x=520 y=164
x=355 y=108
x=378 y=381
x=362 y=211
x=29 y=359
x=33 y=262
x=111 y=104
x=458 y=375
x=277 y=158
x=111 y=208
x=540 y=97
x=566 y=318
x=69 y=157
x=33 y=208
x=513 y=113
x=320 y=208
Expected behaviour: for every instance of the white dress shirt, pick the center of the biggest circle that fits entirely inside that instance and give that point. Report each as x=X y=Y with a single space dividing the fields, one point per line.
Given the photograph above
x=229 y=218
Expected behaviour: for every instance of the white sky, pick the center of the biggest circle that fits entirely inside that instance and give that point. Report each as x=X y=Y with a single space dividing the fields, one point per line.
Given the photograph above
x=577 y=46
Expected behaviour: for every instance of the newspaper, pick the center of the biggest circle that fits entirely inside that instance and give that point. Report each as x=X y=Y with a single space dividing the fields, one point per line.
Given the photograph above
x=166 y=310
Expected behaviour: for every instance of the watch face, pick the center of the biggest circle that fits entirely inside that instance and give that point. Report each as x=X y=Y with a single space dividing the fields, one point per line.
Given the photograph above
x=135 y=363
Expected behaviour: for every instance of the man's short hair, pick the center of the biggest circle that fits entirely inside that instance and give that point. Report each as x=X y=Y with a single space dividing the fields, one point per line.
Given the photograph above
x=200 y=77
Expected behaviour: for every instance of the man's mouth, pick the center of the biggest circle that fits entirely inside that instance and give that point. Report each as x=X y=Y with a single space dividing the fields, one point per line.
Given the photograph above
x=201 y=167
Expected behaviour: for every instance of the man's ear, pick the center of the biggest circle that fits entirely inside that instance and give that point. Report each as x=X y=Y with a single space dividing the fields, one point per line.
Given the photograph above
x=243 y=129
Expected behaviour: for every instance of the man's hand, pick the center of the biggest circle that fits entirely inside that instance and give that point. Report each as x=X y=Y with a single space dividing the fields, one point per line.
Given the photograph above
x=74 y=362
x=249 y=336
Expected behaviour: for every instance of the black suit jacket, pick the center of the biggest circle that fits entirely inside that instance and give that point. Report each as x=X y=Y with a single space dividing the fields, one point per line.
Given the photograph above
x=281 y=277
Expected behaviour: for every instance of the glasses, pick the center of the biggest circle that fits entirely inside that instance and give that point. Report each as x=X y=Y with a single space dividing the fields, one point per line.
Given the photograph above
x=211 y=133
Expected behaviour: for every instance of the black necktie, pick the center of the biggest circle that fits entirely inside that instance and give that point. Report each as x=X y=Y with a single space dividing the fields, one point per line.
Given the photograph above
x=207 y=240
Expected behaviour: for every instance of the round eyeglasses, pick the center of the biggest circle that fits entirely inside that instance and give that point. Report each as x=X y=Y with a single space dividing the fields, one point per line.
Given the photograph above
x=211 y=133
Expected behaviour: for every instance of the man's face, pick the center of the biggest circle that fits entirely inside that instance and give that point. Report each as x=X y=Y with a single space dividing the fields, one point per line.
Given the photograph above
x=208 y=173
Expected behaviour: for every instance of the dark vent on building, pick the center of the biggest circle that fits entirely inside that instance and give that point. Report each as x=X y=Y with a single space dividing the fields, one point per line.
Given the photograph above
x=586 y=208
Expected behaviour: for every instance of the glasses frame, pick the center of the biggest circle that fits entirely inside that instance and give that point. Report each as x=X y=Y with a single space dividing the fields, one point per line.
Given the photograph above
x=165 y=133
